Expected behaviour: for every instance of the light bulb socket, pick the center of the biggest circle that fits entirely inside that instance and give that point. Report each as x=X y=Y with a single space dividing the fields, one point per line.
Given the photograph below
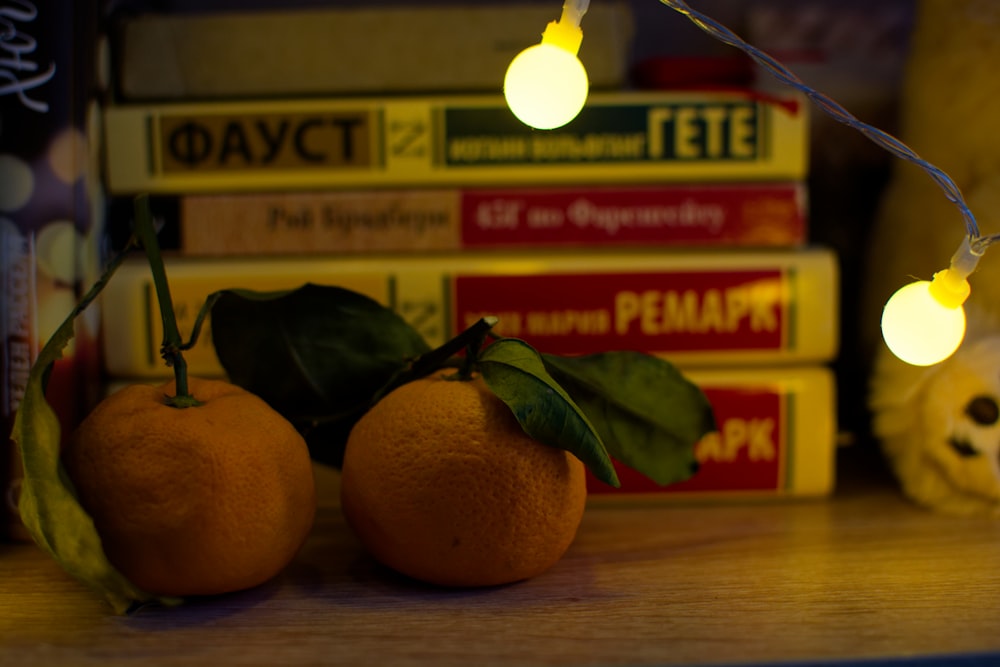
x=949 y=288
x=966 y=258
x=563 y=34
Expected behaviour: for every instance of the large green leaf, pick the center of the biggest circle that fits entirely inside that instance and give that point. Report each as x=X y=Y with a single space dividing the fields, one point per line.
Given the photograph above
x=48 y=505
x=648 y=415
x=516 y=374
x=316 y=354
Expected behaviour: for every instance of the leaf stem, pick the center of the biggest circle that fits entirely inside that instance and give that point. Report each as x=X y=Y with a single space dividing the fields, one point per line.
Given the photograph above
x=172 y=344
x=206 y=308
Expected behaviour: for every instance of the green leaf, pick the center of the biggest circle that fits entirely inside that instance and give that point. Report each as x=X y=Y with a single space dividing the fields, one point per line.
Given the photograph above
x=48 y=505
x=516 y=374
x=647 y=413
x=316 y=354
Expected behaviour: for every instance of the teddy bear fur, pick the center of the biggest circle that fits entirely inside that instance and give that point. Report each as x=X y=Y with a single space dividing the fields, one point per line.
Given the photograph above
x=937 y=425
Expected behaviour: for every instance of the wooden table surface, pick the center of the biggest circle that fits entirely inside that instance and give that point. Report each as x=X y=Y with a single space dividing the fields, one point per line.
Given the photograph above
x=862 y=575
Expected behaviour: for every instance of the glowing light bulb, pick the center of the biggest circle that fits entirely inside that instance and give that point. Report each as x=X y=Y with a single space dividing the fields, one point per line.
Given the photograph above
x=923 y=323
x=546 y=85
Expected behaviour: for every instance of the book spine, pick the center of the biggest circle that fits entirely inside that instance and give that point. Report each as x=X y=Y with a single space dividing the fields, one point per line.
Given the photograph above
x=761 y=215
x=46 y=212
x=473 y=140
x=694 y=308
x=776 y=437
x=18 y=307
x=203 y=55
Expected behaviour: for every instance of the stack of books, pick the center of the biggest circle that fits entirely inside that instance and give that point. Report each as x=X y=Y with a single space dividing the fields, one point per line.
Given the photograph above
x=671 y=222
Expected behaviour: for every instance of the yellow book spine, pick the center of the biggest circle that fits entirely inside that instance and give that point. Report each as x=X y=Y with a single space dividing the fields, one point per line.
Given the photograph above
x=694 y=308
x=636 y=137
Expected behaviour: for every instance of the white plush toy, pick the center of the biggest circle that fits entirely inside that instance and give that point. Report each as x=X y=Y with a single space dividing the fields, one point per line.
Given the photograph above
x=939 y=426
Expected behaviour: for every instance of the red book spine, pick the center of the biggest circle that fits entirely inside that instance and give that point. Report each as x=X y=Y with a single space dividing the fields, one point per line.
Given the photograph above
x=776 y=436
x=416 y=220
x=689 y=314
x=762 y=214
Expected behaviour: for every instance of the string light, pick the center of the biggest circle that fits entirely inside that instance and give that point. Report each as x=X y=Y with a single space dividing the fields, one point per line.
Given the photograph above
x=546 y=85
x=923 y=323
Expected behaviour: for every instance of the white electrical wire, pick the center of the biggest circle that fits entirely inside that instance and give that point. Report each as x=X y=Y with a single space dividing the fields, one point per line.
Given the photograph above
x=965 y=259
x=573 y=11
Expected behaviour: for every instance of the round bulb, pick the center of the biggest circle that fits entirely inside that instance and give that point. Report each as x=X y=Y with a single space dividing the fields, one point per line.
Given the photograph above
x=545 y=86
x=918 y=328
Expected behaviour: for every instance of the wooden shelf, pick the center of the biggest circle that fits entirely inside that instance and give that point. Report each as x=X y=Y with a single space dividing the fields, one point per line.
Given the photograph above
x=862 y=575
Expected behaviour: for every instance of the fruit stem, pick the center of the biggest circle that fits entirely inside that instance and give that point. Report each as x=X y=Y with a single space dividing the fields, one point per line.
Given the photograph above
x=473 y=338
x=170 y=349
x=470 y=339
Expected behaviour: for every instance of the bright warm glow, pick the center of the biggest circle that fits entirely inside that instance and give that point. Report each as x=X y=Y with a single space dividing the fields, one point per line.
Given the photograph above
x=545 y=86
x=918 y=328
